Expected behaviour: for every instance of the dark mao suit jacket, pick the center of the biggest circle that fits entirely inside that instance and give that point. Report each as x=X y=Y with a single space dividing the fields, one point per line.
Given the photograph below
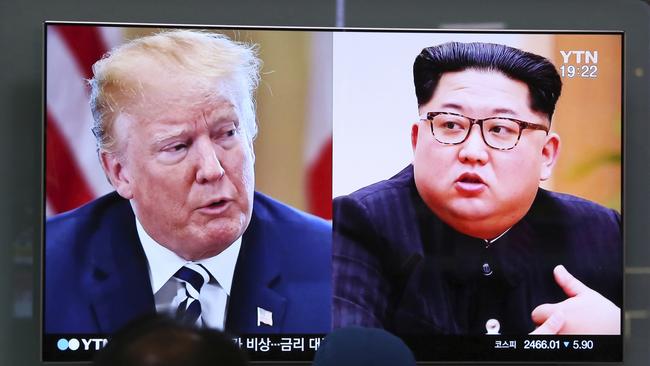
x=96 y=274
x=397 y=266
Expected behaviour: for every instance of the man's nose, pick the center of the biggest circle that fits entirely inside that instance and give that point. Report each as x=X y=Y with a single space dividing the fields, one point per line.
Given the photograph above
x=474 y=149
x=209 y=167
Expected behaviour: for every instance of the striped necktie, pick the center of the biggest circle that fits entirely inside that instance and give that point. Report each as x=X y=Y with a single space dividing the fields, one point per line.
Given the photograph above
x=194 y=276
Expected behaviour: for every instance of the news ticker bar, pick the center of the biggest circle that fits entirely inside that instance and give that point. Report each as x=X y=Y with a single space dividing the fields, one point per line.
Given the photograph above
x=259 y=347
x=301 y=347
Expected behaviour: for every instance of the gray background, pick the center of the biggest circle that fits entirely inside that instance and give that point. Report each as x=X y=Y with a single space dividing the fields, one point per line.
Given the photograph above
x=21 y=116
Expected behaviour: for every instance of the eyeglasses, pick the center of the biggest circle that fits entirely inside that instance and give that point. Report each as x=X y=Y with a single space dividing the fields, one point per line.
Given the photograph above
x=499 y=133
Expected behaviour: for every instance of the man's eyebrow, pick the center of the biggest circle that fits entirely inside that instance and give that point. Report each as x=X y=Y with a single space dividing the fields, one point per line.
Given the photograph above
x=224 y=121
x=163 y=137
x=497 y=111
x=494 y=113
x=452 y=106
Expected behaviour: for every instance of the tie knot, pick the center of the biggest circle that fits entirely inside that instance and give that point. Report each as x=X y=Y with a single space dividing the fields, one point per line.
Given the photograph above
x=194 y=275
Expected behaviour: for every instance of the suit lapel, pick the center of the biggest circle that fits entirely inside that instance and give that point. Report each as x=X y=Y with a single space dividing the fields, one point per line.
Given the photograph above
x=256 y=275
x=118 y=283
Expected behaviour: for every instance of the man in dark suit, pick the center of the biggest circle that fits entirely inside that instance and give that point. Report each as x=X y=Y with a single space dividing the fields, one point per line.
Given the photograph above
x=184 y=234
x=464 y=241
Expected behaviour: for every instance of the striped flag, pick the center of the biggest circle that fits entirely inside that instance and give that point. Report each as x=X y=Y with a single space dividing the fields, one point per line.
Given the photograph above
x=73 y=175
x=319 y=131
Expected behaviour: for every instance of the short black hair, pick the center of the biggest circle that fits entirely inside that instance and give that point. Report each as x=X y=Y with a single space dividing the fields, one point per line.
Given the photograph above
x=544 y=83
x=156 y=340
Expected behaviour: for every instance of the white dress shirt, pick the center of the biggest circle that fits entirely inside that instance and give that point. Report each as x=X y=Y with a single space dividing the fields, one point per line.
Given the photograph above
x=169 y=291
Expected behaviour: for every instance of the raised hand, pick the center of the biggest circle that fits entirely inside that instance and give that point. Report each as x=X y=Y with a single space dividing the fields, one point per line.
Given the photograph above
x=585 y=311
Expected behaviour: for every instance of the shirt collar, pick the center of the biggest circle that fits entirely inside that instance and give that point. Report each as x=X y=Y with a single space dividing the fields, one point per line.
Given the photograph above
x=490 y=241
x=163 y=263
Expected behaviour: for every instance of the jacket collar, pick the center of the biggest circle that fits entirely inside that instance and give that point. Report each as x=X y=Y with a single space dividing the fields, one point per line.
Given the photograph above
x=119 y=285
x=260 y=307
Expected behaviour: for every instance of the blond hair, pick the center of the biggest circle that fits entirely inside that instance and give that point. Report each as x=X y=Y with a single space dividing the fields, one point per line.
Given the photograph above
x=206 y=58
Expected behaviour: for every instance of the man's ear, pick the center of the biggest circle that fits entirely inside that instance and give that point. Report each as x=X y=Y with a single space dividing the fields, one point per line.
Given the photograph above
x=117 y=174
x=550 y=152
x=414 y=136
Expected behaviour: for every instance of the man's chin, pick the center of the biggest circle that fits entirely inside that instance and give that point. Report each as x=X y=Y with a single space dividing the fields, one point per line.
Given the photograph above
x=470 y=220
x=221 y=235
x=480 y=221
x=212 y=239
x=471 y=209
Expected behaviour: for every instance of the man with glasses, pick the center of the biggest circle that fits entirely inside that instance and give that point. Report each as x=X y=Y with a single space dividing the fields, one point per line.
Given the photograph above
x=464 y=241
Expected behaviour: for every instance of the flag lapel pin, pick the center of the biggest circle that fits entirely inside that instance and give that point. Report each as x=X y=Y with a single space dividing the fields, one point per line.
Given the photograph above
x=264 y=317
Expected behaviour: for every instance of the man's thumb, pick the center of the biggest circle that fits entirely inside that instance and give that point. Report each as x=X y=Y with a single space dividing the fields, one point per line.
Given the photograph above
x=569 y=284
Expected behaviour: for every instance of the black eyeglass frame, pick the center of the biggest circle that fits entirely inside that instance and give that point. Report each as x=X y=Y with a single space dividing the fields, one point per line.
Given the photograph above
x=479 y=121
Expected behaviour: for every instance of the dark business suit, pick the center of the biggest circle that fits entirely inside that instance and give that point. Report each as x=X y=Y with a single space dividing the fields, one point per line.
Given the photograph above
x=398 y=266
x=96 y=273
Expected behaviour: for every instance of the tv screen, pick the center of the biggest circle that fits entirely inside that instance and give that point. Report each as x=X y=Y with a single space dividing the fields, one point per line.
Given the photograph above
x=316 y=179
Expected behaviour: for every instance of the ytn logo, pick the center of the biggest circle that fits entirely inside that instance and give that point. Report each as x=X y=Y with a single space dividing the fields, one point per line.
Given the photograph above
x=73 y=344
x=579 y=57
